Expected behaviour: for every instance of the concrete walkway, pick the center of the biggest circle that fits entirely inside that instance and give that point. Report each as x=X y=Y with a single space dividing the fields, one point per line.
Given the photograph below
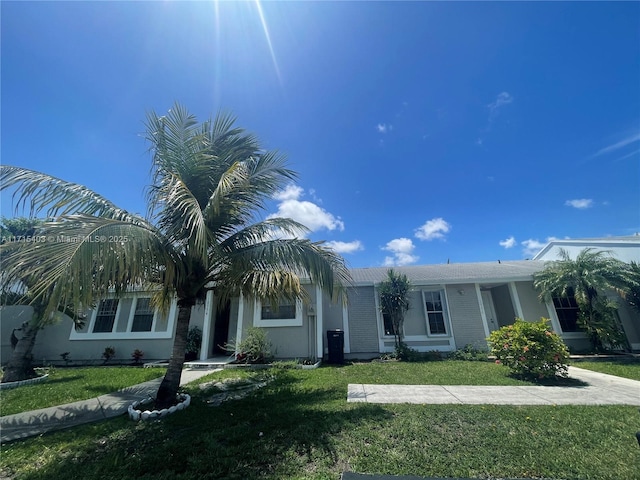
x=36 y=422
x=600 y=389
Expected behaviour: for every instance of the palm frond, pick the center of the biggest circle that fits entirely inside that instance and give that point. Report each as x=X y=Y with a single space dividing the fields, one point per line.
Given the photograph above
x=268 y=269
x=81 y=258
x=269 y=229
x=40 y=191
x=591 y=272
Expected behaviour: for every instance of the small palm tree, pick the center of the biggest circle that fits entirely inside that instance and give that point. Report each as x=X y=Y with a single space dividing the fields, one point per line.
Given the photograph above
x=632 y=292
x=209 y=180
x=394 y=302
x=586 y=278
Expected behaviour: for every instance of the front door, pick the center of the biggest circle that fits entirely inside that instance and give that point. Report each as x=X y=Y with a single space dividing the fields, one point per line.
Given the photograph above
x=489 y=310
x=221 y=329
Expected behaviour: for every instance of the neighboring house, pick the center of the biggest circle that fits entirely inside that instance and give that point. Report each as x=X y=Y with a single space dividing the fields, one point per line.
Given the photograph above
x=451 y=305
x=625 y=249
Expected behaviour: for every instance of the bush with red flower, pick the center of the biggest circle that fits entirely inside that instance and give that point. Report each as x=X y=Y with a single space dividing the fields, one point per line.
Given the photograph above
x=530 y=349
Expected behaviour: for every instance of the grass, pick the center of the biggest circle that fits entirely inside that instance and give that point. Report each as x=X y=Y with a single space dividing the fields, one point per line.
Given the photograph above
x=66 y=385
x=301 y=427
x=626 y=369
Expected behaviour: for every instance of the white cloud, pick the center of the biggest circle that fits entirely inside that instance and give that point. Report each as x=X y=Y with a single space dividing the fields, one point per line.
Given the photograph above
x=345 y=247
x=635 y=137
x=291 y=192
x=580 y=203
x=508 y=243
x=307 y=213
x=402 y=250
x=503 y=98
x=434 y=228
x=384 y=128
x=531 y=246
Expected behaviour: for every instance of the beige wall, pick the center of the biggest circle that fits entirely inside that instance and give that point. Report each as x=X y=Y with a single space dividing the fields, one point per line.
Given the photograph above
x=532 y=308
x=54 y=340
x=363 y=325
x=466 y=319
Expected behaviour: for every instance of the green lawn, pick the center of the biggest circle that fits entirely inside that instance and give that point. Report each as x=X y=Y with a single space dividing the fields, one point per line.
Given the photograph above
x=66 y=385
x=301 y=427
x=626 y=369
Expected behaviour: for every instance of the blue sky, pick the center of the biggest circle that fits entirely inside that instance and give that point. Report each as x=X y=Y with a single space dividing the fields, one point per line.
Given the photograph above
x=422 y=132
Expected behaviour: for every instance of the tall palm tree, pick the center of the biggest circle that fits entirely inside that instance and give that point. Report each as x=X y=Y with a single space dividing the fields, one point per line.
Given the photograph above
x=209 y=182
x=586 y=278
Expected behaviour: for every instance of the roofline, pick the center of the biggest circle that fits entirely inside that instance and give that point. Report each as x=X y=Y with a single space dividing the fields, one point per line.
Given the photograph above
x=525 y=278
x=587 y=242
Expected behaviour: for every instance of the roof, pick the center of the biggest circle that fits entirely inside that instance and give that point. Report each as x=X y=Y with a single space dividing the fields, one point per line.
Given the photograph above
x=453 y=273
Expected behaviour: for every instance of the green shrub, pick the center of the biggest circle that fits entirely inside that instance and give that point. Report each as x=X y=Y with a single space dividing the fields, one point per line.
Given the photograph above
x=470 y=354
x=405 y=353
x=108 y=354
x=530 y=349
x=194 y=340
x=137 y=355
x=255 y=347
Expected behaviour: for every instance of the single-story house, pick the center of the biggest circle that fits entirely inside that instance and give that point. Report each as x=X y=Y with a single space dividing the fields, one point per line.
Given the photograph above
x=451 y=306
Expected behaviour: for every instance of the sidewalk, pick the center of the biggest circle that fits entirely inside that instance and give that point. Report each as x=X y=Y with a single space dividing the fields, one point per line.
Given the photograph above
x=602 y=389
x=28 y=424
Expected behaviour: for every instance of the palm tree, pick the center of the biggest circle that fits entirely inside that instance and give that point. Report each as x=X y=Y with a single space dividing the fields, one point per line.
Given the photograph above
x=394 y=303
x=20 y=365
x=632 y=292
x=209 y=181
x=586 y=278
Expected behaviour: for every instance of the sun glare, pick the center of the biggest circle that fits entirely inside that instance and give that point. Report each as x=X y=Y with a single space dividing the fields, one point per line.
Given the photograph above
x=265 y=28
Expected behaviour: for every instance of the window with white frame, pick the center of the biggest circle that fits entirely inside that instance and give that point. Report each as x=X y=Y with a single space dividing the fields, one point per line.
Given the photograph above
x=286 y=313
x=142 y=315
x=435 y=312
x=106 y=316
x=130 y=316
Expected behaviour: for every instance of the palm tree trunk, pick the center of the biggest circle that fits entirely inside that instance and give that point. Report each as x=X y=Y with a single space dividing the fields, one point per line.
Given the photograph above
x=20 y=365
x=168 y=390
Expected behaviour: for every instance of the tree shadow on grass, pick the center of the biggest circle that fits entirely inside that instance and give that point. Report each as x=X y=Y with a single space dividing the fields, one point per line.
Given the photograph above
x=278 y=431
x=56 y=381
x=551 y=382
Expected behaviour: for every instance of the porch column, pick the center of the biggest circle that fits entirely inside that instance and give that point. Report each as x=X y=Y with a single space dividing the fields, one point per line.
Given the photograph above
x=206 y=326
x=483 y=314
x=240 y=316
x=555 y=324
x=345 y=328
x=319 y=324
x=516 y=300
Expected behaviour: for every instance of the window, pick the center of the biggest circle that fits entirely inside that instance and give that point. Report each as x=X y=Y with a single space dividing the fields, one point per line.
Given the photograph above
x=286 y=314
x=567 y=311
x=106 y=316
x=287 y=311
x=128 y=317
x=435 y=313
x=143 y=316
x=388 y=325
